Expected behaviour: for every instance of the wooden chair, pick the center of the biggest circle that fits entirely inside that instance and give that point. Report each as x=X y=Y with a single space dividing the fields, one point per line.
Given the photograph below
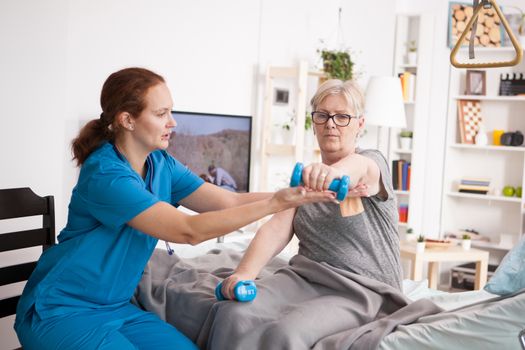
x=17 y=203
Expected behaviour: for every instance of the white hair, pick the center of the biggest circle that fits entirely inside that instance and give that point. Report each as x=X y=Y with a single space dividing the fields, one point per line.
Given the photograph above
x=349 y=89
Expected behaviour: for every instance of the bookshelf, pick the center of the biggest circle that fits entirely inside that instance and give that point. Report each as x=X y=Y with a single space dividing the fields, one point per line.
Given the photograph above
x=493 y=215
x=412 y=28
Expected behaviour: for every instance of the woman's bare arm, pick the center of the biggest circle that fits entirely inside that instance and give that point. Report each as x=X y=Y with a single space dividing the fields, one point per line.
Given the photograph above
x=210 y=197
x=269 y=241
x=164 y=221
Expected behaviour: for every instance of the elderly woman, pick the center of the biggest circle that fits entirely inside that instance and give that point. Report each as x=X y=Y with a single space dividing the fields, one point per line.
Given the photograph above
x=359 y=234
x=343 y=289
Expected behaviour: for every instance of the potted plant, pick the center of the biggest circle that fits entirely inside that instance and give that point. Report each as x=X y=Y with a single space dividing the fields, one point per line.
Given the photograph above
x=308 y=133
x=466 y=242
x=412 y=53
x=405 y=139
x=420 y=245
x=410 y=235
x=308 y=121
x=337 y=64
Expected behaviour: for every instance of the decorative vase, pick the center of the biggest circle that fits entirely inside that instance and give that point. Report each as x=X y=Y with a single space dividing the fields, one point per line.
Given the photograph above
x=466 y=244
x=481 y=136
x=410 y=237
x=420 y=247
x=405 y=143
x=496 y=137
x=289 y=136
x=282 y=136
x=412 y=58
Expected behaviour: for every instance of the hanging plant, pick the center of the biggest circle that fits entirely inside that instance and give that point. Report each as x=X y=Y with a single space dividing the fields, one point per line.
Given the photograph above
x=337 y=64
x=308 y=121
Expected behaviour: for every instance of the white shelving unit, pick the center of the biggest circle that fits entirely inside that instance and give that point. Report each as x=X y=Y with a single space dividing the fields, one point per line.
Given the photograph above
x=493 y=215
x=418 y=28
x=303 y=81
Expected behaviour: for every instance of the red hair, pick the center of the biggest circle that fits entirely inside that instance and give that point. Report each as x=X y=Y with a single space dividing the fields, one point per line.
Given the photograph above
x=123 y=91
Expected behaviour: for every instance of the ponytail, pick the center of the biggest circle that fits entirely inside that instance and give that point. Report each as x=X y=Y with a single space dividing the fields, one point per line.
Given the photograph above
x=91 y=136
x=123 y=91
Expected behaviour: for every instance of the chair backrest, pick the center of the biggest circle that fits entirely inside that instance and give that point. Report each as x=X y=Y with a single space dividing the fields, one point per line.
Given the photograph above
x=17 y=203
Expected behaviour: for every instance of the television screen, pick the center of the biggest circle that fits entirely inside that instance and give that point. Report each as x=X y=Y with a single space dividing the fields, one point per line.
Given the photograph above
x=214 y=146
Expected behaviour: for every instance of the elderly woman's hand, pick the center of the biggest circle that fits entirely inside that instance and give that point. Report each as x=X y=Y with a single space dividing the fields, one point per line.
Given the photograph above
x=229 y=284
x=359 y=190
x=319 y=176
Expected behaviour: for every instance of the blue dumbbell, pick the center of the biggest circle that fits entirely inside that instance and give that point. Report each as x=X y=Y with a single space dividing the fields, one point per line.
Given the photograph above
x=243 y=291
x=340 y=186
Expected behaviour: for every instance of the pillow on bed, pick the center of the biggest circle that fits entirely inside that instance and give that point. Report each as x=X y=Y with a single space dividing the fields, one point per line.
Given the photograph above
x=510 y=274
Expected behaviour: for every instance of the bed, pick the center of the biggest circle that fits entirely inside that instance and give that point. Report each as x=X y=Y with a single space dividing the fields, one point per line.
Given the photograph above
x=179 y=288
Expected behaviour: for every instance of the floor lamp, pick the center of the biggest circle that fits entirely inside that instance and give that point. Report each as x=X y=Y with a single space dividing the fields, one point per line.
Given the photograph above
x=384 y=106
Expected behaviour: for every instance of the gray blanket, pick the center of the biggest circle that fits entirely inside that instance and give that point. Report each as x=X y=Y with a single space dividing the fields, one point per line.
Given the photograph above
x=300 y=305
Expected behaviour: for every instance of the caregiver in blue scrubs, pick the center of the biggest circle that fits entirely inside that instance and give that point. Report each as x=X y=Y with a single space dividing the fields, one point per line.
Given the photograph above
x=125 y=200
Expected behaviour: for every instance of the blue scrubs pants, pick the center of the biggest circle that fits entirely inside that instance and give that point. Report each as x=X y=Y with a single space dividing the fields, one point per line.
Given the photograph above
x=126 y=327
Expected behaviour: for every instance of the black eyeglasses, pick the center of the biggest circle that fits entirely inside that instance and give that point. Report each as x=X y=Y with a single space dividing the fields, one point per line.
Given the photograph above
x=339 y=119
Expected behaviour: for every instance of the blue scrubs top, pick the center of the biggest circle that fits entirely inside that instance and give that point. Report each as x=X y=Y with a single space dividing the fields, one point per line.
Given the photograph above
x=100 y=259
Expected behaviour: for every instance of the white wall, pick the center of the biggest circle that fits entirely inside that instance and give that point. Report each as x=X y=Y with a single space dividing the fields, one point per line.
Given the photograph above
x=33 y=43
x=211 y=54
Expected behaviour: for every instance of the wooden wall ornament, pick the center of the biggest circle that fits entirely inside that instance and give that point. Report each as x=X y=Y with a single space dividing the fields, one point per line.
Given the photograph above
x=488 y=28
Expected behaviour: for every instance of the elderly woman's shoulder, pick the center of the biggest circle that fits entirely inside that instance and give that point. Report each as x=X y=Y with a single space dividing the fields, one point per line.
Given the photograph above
x=369 y=152
x=373 y=154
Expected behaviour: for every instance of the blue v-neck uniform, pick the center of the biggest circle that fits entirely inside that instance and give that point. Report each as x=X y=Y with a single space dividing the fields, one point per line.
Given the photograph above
x=79 y=294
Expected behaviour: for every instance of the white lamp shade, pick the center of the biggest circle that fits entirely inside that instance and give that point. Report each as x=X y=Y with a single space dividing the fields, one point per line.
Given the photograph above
x=384 y=102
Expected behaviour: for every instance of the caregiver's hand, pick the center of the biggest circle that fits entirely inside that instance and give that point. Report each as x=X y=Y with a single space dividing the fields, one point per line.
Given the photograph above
x=296 y=196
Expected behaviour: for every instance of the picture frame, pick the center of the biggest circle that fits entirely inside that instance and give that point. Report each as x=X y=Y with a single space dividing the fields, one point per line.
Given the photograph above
x=282 y=96
x=489 y=32
x=476 y=82
x=469 y=120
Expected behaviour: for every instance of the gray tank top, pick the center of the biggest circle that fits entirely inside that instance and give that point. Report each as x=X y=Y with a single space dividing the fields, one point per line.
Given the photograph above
x=366 y=243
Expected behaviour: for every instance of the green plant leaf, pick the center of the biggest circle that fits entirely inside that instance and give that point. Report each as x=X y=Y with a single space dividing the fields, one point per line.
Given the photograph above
x=308 y=121
x=337 y=64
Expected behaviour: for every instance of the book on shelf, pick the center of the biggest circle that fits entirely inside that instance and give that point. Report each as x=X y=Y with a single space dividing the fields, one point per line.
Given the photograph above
x=475 y=186
x=401 y=171
x=403 y=213
x=473 y=191
x=475 y=182
x=408 y=86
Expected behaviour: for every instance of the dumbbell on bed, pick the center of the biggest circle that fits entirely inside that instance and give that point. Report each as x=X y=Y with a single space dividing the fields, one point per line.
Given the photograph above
x=340 y=186
x=243 y=291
